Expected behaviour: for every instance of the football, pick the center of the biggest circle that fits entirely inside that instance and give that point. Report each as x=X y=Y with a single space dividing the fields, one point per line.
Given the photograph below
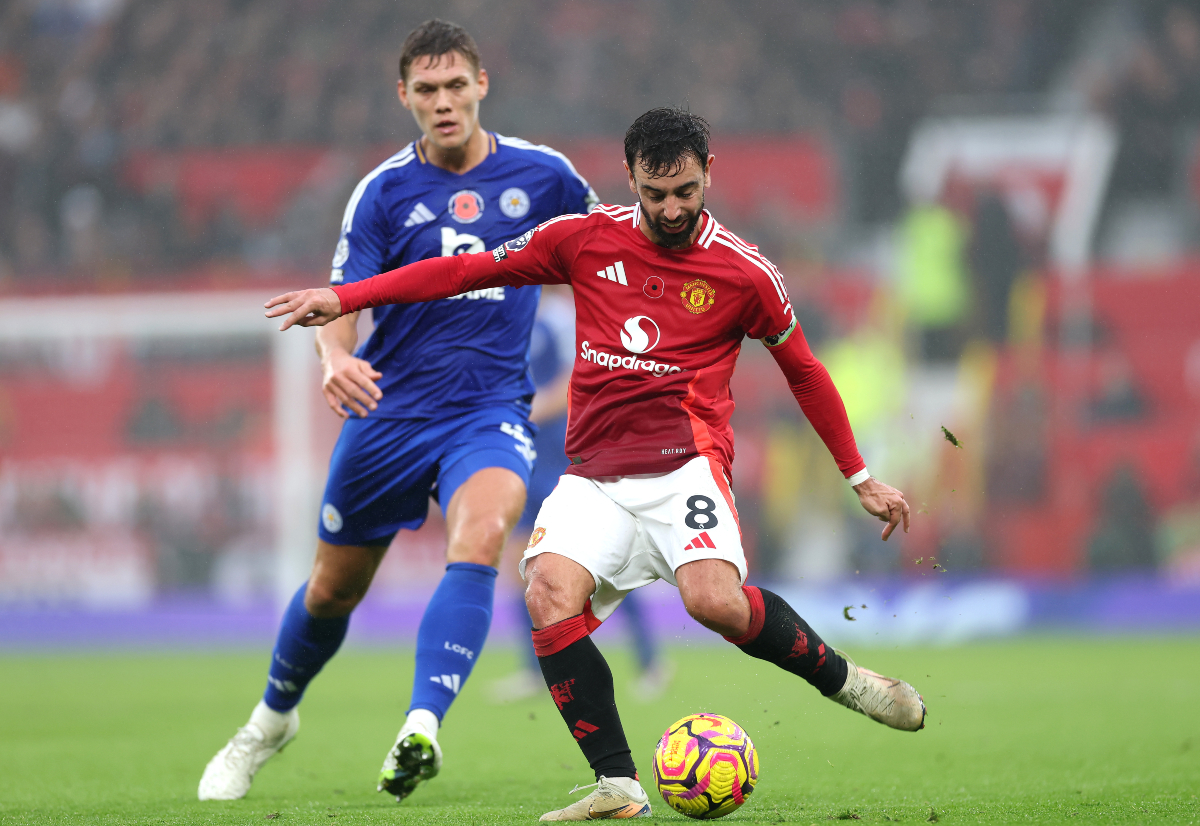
x=705 y=766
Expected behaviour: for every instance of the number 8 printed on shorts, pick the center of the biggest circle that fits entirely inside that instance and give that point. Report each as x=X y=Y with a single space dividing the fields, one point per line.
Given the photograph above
x=700 y=506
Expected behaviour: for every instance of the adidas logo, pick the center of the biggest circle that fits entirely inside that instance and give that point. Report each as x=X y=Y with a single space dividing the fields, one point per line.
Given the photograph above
x=450 y=681
x=583 y=728
x=419 y=215
x=614 y=272
x=701 y=541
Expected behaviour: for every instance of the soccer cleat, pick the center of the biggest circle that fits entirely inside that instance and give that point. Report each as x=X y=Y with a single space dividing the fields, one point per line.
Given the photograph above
x=229 y=774
x=894 y=703
x=415 y=757
x=614 y=799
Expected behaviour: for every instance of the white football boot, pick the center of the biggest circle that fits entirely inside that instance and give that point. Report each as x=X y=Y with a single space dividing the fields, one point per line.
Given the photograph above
x=894 y=703
x=228 y=775
x=415 y=757
x=615 y=798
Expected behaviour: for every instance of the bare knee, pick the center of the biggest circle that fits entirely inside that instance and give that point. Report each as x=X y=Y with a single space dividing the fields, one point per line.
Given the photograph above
x=326 y=599
x=481 y=515
x=555 y=592
x=340 y=578
x=548 y=602
x=481 y=542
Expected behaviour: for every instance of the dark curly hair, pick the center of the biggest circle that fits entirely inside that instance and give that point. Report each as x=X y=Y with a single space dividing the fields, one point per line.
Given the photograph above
x=661 y=140
x=434 y=38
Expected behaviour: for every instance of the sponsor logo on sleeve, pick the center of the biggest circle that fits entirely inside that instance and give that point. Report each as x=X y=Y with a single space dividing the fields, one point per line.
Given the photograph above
x=780 y=338
x=514 y=202
x=515 y=245
x=519 y=243
x=342 y=254
x=466 y=206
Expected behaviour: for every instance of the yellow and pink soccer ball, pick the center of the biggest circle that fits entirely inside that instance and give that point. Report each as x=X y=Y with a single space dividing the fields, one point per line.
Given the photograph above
x=705 y=766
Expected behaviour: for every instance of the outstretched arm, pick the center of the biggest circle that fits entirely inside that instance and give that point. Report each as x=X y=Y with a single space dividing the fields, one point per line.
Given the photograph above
x=425 y=280
x=530 y=259
x=810 y=383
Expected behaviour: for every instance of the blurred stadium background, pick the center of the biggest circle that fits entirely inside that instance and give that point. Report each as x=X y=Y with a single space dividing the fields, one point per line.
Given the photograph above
x=988 y=214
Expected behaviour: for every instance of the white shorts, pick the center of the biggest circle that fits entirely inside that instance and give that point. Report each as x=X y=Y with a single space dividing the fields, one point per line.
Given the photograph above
x=631 y=530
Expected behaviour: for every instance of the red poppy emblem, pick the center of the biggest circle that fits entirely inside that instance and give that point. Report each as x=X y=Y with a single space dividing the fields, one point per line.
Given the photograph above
x=654 y=287
x=466 y=206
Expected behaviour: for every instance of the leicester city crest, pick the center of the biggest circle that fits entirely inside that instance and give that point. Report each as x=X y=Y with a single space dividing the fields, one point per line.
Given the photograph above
x=514 y=202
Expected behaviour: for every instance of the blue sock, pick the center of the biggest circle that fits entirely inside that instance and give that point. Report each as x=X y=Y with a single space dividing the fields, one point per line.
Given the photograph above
x=304 y=645
x=639 y=629
x=452 y=634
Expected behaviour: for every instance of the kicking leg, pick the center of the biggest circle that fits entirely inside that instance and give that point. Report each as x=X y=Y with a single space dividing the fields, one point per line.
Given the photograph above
x=764 y=626
x=581 y=685
x=479 y=518
x=311 y=632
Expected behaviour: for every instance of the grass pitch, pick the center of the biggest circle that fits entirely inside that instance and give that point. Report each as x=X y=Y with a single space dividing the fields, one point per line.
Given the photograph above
x=1034 y=730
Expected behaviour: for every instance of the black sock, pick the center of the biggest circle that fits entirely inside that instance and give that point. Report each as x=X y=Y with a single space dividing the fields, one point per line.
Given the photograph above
x=779 y=635
x=582 y=687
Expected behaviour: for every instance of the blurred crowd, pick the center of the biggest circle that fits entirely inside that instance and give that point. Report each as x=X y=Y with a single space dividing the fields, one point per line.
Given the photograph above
x=86 y=85
x=946 y=338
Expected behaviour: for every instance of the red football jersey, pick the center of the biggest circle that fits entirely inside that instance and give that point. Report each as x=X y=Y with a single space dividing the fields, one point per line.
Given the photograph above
x=658 y=332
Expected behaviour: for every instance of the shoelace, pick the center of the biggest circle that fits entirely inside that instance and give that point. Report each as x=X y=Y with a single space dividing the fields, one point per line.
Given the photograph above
x=581 y=788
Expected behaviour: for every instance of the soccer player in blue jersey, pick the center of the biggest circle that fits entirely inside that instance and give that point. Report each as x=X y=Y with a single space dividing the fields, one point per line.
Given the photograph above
x=436 y=403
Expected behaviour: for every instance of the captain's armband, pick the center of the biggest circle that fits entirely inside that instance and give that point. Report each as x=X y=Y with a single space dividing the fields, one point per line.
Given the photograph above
x=780 y=338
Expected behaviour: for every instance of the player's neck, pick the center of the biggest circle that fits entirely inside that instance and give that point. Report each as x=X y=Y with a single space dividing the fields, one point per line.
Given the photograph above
x=458 y=160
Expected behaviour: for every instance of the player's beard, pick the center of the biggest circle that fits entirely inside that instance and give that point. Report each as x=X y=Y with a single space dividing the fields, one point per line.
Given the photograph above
x=673 y=240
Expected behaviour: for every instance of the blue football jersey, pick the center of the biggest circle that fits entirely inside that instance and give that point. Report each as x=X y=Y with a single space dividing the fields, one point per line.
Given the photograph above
x=472 y=349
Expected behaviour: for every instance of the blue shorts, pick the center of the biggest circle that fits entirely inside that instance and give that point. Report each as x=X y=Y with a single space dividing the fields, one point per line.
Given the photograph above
x=551 y=464
x=383 y=471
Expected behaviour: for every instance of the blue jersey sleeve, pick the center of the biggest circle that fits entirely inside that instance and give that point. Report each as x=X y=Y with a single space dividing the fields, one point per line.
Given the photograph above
x=362 y=248
x=578 y=195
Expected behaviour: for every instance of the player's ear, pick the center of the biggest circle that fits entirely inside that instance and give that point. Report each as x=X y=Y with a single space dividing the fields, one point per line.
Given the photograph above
x=402 y=93
x=629 y=172
x=708 y=171
x=482 y=80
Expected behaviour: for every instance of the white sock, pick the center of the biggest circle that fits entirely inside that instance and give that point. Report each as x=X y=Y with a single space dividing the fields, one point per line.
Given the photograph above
x=424 y=721
x=629 y=786
x=270 y=722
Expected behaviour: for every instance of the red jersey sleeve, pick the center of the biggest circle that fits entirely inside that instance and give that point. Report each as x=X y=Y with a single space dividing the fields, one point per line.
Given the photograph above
x=768 y=315
x=819 y=399
x=530 y=259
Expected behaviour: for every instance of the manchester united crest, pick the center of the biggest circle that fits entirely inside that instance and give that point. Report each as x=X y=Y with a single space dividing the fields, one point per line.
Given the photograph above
x=698 y=296
x=536 y=537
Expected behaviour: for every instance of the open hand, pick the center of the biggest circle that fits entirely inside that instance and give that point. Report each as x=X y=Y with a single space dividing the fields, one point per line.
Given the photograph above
x=883 y=502
x=349 y=382
x=307 y=308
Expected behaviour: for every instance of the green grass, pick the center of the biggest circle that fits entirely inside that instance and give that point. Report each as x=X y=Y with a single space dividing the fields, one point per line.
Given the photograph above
x=1034 y=730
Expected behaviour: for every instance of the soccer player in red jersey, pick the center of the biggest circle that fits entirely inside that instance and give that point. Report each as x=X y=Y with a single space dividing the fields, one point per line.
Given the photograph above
x=664 y=296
